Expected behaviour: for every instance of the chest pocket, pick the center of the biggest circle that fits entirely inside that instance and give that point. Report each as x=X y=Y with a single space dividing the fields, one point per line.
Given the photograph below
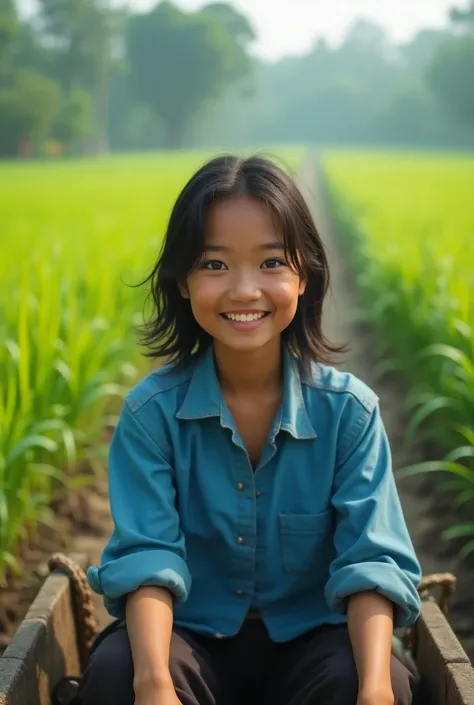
x=306 y=541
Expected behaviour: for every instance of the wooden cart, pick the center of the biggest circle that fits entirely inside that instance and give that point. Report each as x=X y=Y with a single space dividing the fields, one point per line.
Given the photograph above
x=54 y=638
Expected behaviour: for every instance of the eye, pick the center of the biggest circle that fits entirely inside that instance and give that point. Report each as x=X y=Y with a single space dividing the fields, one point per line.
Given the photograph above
x=214 y=264
x=273 y=263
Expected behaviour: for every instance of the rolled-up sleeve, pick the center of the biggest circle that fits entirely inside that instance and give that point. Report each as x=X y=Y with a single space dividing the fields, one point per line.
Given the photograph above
x=147 y=545
x=372 y=544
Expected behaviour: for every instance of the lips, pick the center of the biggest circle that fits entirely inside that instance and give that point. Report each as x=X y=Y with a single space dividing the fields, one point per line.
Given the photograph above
x=244 y=316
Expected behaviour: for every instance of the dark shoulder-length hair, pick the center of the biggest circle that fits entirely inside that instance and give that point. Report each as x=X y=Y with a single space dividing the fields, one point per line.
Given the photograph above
x=170 y=330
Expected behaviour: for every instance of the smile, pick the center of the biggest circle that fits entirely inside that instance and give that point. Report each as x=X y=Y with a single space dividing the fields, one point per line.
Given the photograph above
x=245 y=317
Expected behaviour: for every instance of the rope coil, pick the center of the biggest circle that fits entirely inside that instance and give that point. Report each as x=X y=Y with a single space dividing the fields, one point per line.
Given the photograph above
x=447 y=583
x=87 y=626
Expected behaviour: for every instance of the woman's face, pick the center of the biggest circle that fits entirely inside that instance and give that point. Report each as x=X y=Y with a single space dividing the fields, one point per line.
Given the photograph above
x=243 y=292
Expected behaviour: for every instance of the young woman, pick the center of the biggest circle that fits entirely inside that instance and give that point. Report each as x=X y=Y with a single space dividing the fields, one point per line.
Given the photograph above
x=259 y=554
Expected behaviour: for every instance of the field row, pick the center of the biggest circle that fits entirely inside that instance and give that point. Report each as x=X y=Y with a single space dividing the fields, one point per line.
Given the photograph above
x=408 y=225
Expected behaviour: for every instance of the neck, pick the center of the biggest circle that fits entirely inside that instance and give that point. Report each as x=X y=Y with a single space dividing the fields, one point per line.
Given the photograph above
x=251 y=372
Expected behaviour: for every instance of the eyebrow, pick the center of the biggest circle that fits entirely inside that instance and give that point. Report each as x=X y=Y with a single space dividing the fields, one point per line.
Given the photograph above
x=268 y=246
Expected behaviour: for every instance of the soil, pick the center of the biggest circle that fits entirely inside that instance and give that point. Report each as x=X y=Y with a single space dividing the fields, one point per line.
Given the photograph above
x=84 y=521
x=82 y=525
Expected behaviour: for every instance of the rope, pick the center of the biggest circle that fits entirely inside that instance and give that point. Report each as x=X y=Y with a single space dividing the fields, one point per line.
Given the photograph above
x=447 y=583
x=87 y=626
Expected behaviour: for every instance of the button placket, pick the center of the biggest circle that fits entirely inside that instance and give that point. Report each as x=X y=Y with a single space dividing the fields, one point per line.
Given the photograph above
x=245 y=528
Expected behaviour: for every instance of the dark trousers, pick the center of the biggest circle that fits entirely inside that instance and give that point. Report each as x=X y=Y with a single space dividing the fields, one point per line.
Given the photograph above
x=315 y=669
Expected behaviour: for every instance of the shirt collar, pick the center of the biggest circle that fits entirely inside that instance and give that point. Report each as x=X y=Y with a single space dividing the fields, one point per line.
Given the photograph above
x=204 y=397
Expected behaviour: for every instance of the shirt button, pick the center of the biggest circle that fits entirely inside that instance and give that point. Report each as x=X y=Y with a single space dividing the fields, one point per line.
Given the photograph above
x=240 y=486
x=240 y=540
x=239 y=593
x=258 y=495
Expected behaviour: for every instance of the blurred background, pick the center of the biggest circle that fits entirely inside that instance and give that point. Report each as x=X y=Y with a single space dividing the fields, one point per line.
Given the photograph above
x=83 y=75
x=105 y=111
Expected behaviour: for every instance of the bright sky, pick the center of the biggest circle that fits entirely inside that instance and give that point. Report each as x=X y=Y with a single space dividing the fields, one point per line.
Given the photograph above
x=291 y=26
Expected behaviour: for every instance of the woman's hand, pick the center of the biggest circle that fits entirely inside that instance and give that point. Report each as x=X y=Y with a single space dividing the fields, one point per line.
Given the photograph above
x=382 y=695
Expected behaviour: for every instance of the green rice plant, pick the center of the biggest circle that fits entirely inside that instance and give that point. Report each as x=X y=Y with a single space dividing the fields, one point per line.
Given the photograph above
x=74 y=235
x=408 y=224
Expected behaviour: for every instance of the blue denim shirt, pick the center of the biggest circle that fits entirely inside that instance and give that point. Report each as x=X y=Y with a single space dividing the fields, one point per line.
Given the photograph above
x=318 y=520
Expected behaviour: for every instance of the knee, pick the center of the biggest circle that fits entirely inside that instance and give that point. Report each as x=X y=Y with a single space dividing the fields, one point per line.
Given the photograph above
x=342 y=677
x=108 y=676
x=338 y=680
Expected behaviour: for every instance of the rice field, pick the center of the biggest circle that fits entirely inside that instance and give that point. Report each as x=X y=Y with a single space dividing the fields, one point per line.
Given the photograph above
x=407 y=223
x=74 y=236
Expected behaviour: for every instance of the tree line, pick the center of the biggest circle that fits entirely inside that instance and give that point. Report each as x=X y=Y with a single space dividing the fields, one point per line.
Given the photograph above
x=80 y=75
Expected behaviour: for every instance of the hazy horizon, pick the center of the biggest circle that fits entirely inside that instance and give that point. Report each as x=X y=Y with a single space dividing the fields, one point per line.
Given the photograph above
x=292 y=26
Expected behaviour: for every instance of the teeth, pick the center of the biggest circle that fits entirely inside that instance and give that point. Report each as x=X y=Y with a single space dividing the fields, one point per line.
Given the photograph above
x=244 y=317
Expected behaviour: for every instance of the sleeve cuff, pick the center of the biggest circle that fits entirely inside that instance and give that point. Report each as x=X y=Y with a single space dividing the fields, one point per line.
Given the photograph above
x=386 y=579
x=117 y=578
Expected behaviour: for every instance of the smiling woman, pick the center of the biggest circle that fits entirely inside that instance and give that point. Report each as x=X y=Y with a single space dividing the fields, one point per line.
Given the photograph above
x=258 y=528
x=245 y=290
x=240 y=239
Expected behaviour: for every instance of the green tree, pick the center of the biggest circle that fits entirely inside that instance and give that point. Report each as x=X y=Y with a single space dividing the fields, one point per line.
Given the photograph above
x=74 y=32
x=75 y=120
x=406 y=117
x=420 y=50
x=181 y=61
x=28 y=109
x=451 y=76
x=450 y=73
x=77 y=35
x=464 y=18
x=9 y=31
x=236 y=24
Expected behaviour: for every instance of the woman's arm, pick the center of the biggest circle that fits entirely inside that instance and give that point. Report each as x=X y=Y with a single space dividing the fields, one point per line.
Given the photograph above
x=370 y=623
x=375 y=573
x=371 y=540
x=147 y=546
x=149 y=626
x=143 y=569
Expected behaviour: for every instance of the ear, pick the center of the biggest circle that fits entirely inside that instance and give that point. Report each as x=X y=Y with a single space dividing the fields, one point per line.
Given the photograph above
x=183 y=289
x=302 y=287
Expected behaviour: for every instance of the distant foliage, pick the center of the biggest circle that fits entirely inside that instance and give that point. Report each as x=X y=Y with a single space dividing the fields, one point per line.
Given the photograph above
x=180 y=61
x=169 y=78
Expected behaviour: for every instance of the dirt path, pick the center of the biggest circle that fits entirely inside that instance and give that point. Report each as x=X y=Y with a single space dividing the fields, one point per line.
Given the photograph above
x=341 y=325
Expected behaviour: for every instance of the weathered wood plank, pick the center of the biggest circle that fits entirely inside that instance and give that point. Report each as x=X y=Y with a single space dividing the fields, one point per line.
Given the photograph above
x=460 y=684
x=438 y=652
x=44 y=649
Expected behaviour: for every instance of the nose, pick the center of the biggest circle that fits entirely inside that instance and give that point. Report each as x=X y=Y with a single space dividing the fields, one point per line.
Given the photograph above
x=244 y=288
